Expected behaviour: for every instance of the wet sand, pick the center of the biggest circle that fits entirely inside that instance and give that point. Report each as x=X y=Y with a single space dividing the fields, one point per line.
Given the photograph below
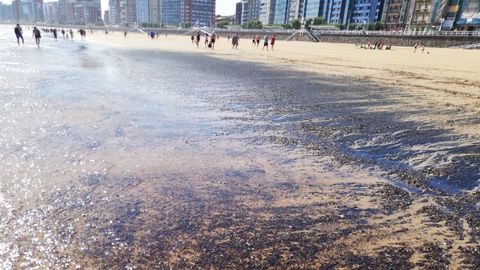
x=156 y=159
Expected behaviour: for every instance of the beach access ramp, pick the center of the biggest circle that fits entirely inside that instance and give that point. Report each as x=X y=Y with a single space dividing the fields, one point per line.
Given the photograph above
x=195 y=30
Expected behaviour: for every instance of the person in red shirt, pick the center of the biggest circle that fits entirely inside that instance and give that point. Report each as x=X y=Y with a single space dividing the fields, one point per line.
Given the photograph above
x=272 y=41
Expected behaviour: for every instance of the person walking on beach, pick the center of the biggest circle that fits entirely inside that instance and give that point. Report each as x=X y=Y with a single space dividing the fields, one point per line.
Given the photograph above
x=19 y=34
x=212 y=40
x=37 y=35
x=253 y=41
x=272 y=41
x=257 y=39
x=265 y=42
x=152 y=35
x=206 y=40
x=228 y=37
x=235 y=40
x=193 y=39
x=55 y=33
x=71 y=33
x=125 y=34
x=63 y=33
x=197 y=39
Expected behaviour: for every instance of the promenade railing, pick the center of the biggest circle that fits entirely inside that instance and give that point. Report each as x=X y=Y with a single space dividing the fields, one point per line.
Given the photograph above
x=397 y=33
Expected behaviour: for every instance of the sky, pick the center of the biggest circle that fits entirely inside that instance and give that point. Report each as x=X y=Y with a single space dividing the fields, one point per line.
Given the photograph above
x=224 y=7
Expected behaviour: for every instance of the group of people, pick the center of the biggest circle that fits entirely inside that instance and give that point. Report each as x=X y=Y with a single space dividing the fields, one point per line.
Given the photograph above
x=65 y=34
x=209 y=41
x=377 y=45
x=266 y=40
x=37 y=34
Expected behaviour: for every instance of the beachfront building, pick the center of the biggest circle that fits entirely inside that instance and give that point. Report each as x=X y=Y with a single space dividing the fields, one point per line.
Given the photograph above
x=469 y=15
x=245 y=17
x=315 y=8
x=266 y=11
x=366 y=12
x=340 y=12
x=187 y=13
x=87 y=12
x=154 y=11
x=201 y=12
x=427 y=15
x=170 y=12
x=296 y=9
x=114 y=9
x=247 y=10
x=281 y=12
x=453 y=13
x=51 y=12
x=238 y=12
x=396 y=14
x=143 y=12
x=128 y=12
x=32 y=10
x=6 y=12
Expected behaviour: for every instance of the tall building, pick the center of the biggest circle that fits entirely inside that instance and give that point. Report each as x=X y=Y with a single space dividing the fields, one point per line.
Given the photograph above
x=238 y=12
x=318 y=8
x=267 y=11
x=87 y=12
x=128 y=12
x=202 y=12
x=469 y=15
x=6 y=12
x=31 y=10
x=51 y=12
x=17 y=10
x=366 y=12
x=143 y=12
x=154 y=11
x=187 y=12
x=114 y=10
x=281 y=12
x=296 y=9
x=245 y=12
x=396 y=14
x=170 y=12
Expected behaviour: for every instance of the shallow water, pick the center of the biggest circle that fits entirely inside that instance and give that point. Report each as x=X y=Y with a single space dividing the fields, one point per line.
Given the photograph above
x=118 y=158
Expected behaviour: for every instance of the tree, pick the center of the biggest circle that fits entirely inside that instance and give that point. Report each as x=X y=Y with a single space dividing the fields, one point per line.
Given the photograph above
x=254 y=25
x=223 y=23
x=296 y=24
x=308 y=23
x=379 y=26
x=287 y=26
x=318 y=21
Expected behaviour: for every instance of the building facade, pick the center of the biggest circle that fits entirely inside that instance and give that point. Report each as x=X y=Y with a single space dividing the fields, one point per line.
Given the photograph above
x=51 y=12
x=143 y=12
x=267 y=11
x=6 y=12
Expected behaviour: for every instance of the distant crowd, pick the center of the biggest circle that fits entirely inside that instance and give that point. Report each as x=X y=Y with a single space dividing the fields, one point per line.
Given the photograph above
x=37 y=34
x=210 y=39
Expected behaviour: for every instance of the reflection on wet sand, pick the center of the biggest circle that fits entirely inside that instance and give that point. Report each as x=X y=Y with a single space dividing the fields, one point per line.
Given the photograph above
x=127 y=159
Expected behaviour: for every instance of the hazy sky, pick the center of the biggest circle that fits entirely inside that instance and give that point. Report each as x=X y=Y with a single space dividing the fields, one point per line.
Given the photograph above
x=224 y=7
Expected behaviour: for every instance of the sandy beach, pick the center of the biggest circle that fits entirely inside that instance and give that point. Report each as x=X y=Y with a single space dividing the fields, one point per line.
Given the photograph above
x=131 y=153
x=437 y=76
